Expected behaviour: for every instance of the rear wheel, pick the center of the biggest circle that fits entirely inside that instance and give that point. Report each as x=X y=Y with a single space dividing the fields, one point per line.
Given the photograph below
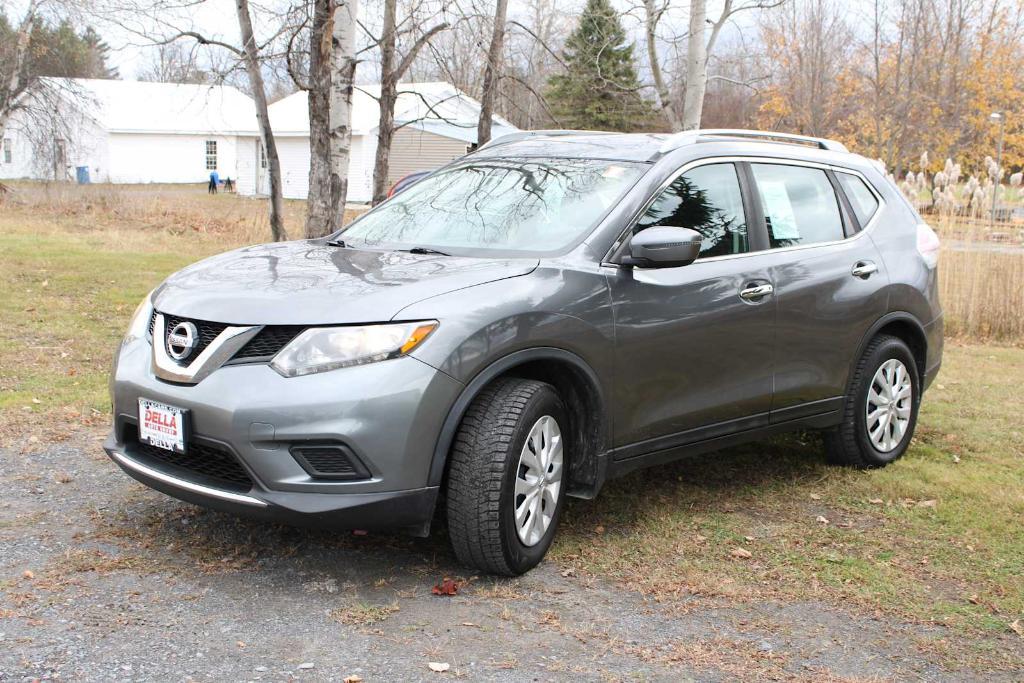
x=506 y=482
x=880 y=411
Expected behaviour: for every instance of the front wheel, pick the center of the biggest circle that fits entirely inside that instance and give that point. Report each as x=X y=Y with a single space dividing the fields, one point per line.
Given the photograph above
x=880 y=411
x=506 y=482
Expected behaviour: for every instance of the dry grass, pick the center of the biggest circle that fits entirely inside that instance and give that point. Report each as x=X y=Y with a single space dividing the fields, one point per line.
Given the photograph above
x=981 y=279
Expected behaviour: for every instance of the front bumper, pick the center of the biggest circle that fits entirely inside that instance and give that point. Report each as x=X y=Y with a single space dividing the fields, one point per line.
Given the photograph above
x=388 y=414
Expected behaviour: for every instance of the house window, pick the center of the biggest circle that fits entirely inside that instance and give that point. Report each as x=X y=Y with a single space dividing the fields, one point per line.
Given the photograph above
x=8 y=152
x=211 y=155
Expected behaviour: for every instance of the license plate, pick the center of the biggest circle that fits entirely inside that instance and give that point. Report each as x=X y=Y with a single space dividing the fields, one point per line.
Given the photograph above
x=162 y=425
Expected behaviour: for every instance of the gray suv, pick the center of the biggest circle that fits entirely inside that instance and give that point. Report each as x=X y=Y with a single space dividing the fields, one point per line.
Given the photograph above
x=553 y=310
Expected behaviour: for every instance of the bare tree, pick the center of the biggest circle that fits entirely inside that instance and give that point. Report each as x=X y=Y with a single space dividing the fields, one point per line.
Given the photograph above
x=492 y=73
x=14 y=83
x=392 y=68
x=174 y=63
x=251 y=58
x=683 y=106
x=343 y=71
x=317 y=84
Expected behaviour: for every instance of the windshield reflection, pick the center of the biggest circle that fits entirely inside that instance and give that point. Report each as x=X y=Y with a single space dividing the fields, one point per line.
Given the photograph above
x=519 y=205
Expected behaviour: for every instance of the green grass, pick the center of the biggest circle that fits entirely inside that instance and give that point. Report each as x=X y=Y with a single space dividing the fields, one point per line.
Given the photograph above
x=944 y=545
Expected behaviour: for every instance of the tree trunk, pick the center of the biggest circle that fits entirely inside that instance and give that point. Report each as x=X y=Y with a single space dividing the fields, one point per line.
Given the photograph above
x=319 y=205
x=491 y=74
x=664 y=94
x=343 y=71
x=13 y=87
x=252 y=67
x=388 y=96
x=696 y=66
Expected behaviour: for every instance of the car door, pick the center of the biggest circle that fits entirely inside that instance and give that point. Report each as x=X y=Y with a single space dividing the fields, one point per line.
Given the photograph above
x=694 y=344
x=830 y=283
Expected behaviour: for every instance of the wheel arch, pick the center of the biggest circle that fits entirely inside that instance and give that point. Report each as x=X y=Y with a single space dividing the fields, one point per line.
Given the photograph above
x=901 y=325
x=580 y=390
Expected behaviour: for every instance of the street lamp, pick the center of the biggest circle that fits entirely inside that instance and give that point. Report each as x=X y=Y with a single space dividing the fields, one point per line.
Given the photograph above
x=997 y=116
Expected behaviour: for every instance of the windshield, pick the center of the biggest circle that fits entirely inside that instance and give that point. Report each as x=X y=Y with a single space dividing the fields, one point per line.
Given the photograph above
x=506 y=205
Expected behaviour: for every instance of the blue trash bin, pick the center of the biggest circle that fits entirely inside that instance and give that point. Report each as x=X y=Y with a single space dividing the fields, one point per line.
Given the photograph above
x=82 y=174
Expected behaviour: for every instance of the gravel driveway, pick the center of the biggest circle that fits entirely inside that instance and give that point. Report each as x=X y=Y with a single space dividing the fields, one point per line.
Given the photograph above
x=104 y=580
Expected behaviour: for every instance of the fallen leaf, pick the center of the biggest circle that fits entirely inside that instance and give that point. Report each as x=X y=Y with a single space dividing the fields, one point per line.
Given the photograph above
x=446 y=587
x=956 y=459
x=876 y=501
x=748 y=539
x=45 y=283
x=973 y=600
x=36 y=401
x=599 y=529
x=741 y=553
x=821 y=520
x=1017 y=627
x=471 y=624
x=568 y=572
x=815 y=496
x=439 y=667
x=699 y=538
x=240 y=644
x=28 y=574
x=352 y=679
x=927 y=504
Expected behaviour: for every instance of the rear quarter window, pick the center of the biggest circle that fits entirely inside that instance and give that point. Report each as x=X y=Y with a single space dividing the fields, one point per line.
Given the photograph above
x=862 y=199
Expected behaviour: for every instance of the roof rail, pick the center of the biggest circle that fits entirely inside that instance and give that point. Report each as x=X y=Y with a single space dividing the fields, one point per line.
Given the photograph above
x=527 y=134
x=691 y=136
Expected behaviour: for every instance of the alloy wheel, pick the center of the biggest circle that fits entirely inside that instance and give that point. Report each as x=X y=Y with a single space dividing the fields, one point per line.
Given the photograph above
x=538 y=480
x=890 y=399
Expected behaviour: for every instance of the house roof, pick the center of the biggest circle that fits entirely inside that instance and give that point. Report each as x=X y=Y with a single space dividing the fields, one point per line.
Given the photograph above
x=436 y=107
x=166 y=108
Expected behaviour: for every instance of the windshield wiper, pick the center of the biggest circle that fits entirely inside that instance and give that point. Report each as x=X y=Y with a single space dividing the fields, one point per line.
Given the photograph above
x=338 y=243
x=427 y=250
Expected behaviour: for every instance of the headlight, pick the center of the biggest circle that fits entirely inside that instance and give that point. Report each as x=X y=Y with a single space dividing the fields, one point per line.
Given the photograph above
x=319 y=349
x=138 y=328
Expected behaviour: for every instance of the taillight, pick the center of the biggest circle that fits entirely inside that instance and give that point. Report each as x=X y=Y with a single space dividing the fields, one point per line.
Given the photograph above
x=928 y=244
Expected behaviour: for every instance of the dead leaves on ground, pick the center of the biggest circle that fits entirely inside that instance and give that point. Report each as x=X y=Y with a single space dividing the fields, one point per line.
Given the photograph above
x=447 y=586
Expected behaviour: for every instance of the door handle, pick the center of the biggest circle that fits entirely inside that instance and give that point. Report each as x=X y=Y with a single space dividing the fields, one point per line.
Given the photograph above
x=756 y=292
x=863 y=269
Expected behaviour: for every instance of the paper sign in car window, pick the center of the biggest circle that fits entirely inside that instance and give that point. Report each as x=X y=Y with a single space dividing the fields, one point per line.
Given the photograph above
x=779 y=210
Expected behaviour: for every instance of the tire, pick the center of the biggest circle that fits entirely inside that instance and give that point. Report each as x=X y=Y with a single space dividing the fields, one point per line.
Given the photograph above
x=851 y=443
x=484 y=469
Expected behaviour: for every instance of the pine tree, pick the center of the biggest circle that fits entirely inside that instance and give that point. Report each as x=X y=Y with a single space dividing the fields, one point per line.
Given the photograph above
x=600 y=88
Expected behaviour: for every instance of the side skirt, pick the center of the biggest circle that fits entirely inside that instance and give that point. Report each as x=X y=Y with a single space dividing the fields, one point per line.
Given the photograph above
x=620 y=467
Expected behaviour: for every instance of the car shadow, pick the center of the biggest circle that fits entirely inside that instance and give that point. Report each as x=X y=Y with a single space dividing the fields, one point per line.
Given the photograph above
x=176 y=536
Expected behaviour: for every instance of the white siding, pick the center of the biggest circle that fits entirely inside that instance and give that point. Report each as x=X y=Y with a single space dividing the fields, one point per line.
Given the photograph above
x=245 y=151
x=32 y=149
x=294 y=156
x=161 y=158
x=293 y=153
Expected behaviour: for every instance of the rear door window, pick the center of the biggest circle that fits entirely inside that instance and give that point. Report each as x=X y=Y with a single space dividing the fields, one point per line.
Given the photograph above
x=800 y=205
x=706 y=199
x=862 y=199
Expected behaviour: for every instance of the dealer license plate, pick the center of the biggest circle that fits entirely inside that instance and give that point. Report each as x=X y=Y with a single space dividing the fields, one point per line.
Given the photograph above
x=162 y=425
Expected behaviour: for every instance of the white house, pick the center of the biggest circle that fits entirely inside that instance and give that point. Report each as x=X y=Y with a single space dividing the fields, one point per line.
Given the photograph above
x=437 y=124
x=127 y=131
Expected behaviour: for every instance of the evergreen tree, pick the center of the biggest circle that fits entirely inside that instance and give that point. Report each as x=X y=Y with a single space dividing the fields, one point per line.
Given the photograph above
x=58 y=51
x=600 y=89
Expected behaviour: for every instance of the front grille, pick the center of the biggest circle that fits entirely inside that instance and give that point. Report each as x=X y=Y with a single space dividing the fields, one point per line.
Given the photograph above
x=330 y=462
x=202 y=463
x=267 y=343
x=207 y=333
x=261 y=348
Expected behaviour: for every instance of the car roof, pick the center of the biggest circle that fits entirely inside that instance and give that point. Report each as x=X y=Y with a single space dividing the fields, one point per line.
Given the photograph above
x=650 y=147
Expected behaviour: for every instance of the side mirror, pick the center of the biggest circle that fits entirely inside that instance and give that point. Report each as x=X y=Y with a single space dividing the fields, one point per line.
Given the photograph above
x=663 y=246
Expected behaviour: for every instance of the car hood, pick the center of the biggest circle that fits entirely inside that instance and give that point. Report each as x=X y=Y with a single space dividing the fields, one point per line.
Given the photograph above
x=309 y=283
